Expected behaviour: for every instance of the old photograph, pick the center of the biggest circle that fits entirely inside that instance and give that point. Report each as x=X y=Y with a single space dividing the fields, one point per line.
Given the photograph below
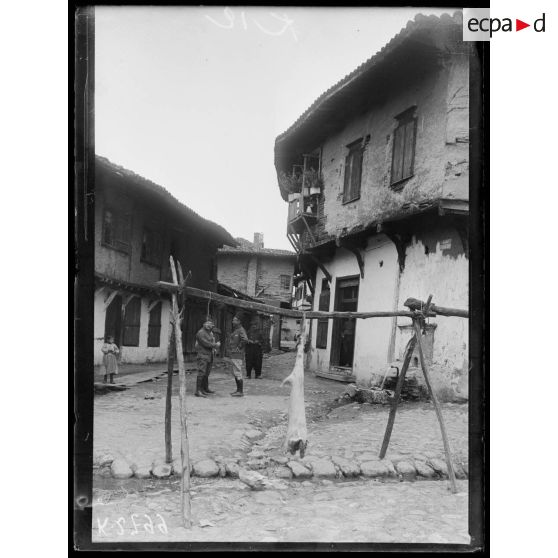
x=283 y=215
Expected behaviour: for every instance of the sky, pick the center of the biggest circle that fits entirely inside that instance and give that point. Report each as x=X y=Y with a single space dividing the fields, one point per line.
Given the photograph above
x=193 y=98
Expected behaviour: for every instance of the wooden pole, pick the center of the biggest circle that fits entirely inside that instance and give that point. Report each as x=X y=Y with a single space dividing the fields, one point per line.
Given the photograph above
x=297 y=435
x=168 y=402
x=184 y=452
x=449 y=462
x=408 y=354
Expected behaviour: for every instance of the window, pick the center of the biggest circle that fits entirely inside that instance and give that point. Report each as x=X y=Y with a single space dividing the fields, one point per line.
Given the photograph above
x=323 y=306
x=116 y=229
x=404 y=146
x=132 y=313
x=353 y=172
x=154 y=326
x=286 y=282
x=151 y=246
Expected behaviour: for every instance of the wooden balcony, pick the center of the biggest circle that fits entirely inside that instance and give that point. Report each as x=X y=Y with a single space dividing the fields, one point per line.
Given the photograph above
x=302 y=215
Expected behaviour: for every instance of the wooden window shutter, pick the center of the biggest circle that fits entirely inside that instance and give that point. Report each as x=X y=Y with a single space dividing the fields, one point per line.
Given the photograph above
x=356 y=173
x=132 y=315
x=347 y=183
x=397 y=162
x=321 y=334
x=409 y=154
x=154 y=327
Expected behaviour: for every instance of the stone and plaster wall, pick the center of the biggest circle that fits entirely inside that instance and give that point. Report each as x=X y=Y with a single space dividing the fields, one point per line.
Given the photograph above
x=255 y=274
x=435 y=264
x=441 y=165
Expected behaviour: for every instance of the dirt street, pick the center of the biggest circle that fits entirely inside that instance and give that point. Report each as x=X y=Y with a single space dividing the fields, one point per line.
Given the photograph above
x=224 y=509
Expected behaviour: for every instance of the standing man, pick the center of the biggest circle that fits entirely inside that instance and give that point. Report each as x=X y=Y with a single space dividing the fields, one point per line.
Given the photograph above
x=254 y=352
x=235 y=348
x=205 y=345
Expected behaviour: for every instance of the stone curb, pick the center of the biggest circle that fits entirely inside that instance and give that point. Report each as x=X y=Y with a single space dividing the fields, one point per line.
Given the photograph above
x=280 y=467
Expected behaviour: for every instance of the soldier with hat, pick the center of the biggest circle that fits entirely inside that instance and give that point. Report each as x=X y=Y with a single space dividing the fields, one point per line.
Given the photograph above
x=205 y=346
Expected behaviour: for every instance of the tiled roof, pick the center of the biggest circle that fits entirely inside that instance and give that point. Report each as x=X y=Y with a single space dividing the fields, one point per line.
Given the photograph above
x=420 y=22
x=216 y=230
x=247 y=247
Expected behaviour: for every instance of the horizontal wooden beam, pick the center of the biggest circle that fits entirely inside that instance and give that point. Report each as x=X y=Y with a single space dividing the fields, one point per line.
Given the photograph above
x=267 y=309
x=229 y=301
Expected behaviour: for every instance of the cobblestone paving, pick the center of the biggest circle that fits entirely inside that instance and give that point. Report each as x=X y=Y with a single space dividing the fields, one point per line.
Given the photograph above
x=361 y=511
x=129 y=425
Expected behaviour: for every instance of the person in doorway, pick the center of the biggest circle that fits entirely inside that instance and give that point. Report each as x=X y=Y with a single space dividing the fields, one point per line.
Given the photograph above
x=205 y=347
x=110 y=363
x=235 y=349
x=254 y=352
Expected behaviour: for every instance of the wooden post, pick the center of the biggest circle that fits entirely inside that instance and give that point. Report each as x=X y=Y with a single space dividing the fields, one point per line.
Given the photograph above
x=184 y=452
x=297 y=436
x=449 y=463
x=168 y=403
x=408 y=354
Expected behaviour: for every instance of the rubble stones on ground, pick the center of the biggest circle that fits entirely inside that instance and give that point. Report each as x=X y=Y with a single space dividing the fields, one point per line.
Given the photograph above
x=253 y=479
x=143 y=472
x=282 y=472
x=299 y=470
x=323 y=469
x=253 y=434
x=257 y=464
x=232 y=468
x=280 y=459
x=206 y=468
x=459 y=470
x=407 y=470
x=367 y=456
x=268 y=498
x=439 y=466
x=120 y=469
x=424 y=470
x=161 y=470
x=347 y=467
x=375 y=469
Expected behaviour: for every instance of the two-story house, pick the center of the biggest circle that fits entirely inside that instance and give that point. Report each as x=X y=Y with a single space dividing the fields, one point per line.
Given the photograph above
x=266 y=275
x=138 y=224
x=376 y=173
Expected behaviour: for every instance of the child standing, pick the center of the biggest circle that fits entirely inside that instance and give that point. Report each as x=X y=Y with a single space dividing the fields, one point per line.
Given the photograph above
x=110 y=364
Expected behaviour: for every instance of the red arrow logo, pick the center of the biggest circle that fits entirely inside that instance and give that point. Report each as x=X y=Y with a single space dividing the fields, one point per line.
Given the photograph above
x=519 y=25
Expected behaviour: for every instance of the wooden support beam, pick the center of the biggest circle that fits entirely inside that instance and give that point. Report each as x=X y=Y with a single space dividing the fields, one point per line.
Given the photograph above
x=401 y=242
x=185 y=502
x=354 y=249
x=109 y=298
x=326 y=273
x=312 y=238
x=152 y=304
x=437 y=408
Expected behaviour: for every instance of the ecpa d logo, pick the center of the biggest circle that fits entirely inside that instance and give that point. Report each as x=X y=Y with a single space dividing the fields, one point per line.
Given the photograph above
x=479 y=26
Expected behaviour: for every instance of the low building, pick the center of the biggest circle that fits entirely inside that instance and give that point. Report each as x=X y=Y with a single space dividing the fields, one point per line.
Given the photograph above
x=376 y=173
x=264 y=274
x=138 y=225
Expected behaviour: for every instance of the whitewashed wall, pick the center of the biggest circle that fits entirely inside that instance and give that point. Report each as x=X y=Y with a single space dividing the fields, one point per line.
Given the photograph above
x=136 y=355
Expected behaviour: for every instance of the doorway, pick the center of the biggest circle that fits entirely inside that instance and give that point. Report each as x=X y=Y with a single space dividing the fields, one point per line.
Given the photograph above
x=113 y=320
x=343 y=335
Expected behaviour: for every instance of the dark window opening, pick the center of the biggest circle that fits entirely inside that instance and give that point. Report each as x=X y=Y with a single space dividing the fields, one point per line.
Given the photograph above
x=154 y=326
x=353 y=172
x=286 y=282
x=404 y=140
x=132 y=314
x=116 y=229
x=151 y=247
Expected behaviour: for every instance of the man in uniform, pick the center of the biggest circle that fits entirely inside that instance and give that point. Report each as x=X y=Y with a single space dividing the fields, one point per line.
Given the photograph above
x=254 y=351
x=235 y=349
x=205 y=345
